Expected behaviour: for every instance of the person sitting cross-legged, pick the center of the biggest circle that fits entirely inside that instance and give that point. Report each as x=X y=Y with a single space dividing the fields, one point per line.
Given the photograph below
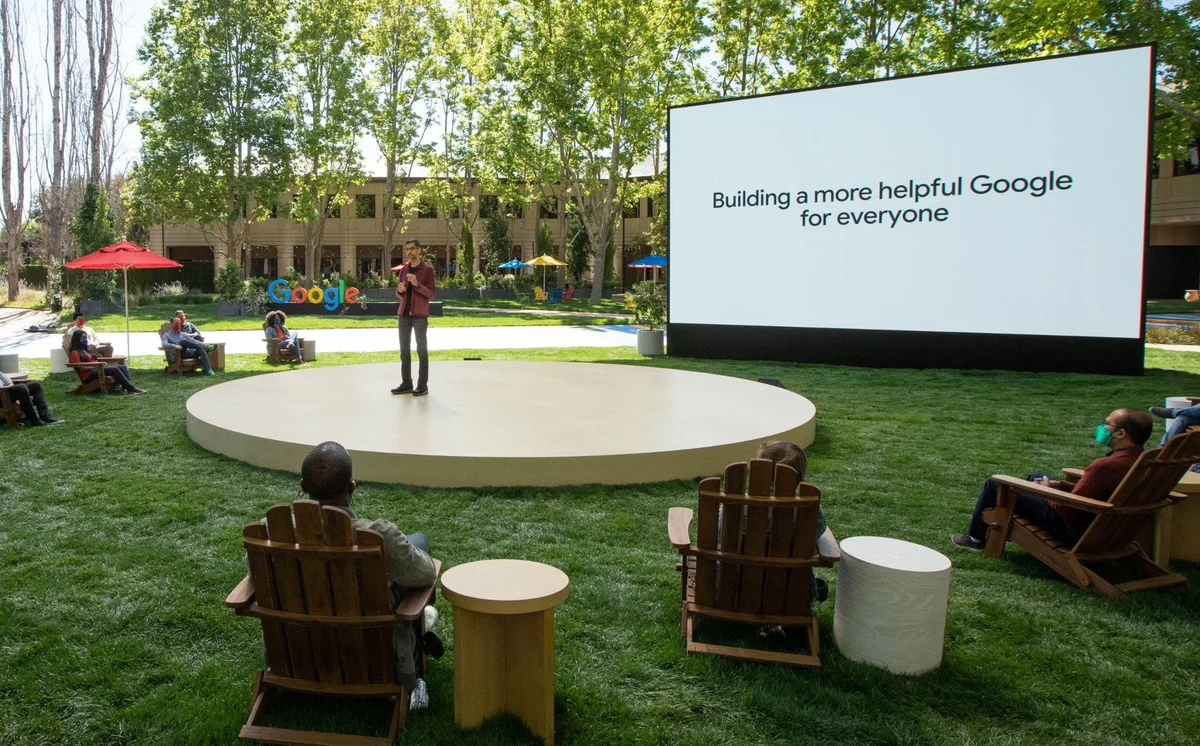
x=80 y=354
x=327 y=476
x=1124 y=433
x=32 y=400
x=276 y=328
x=176 y=336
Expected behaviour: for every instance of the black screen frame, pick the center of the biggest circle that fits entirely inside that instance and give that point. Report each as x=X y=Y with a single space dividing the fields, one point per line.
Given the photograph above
x=880 y=348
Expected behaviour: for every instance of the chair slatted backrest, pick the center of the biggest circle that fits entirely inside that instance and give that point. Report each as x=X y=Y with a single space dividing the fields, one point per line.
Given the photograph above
x=319 y=566
x=1153 y=476
x=757 y=540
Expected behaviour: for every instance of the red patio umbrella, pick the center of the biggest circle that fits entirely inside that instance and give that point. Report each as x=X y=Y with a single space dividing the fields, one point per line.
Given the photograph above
x=123 y=256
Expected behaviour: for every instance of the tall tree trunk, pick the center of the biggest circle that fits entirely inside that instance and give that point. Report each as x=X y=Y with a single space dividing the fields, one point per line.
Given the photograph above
x=100 y=43
x=55 y=199
x=15 y=112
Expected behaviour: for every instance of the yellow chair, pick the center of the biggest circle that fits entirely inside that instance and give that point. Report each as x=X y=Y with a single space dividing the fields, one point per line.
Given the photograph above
x=539 y=294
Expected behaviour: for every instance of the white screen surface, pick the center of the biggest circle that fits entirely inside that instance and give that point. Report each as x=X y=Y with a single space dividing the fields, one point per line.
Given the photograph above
x=1067 y=263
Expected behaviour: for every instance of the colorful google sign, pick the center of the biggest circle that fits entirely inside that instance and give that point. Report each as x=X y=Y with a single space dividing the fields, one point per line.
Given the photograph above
x=332 y=297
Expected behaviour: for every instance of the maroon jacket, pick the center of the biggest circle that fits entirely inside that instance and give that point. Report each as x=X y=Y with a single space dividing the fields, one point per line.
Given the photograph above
x=421 y=294
x=1099 y=481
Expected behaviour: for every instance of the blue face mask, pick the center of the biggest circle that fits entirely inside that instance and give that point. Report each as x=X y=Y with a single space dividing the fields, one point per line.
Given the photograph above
x=1103 y=434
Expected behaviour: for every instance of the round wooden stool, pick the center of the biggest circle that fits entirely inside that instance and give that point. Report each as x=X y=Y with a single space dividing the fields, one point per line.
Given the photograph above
x=891 y=604
x=504 y=640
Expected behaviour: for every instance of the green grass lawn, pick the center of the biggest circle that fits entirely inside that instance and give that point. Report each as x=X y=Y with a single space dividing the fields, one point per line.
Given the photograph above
x=204 y=316
x=1172 y=306
x=576 y=304
x=120 y=538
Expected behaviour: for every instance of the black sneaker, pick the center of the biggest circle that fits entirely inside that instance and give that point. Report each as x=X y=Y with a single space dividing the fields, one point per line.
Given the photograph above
x=820 y=590
x=404 y=388
x=966 y=541
x=421 y=391
x=430 y=644
x=1163 y=412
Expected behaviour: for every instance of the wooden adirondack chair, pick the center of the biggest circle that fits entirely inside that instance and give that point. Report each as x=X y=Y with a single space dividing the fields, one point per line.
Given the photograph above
x=10 y=411
x=1117 y=529
x=569 y=294
x=180 y=364
x=752 y=561
x=274 y=354
x=102 y=383
x=538 y=293
x=320 y=589
x=556 y=296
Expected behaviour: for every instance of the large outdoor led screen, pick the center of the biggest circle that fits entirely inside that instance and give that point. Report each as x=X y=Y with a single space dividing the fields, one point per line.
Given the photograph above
x=904 y=218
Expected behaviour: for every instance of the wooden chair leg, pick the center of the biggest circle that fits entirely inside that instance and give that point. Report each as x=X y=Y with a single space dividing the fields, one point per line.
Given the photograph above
x=1000 y=524
x=399 y=714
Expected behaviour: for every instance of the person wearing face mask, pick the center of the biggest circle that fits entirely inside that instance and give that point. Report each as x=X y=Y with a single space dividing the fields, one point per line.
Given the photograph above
x=275 y=328
x=188 y=327
x=1124 y=433
x=101 y=349
x=80 y=354
x=176 y=336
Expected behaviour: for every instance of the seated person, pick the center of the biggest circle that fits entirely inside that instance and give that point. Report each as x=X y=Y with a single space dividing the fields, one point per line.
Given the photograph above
x=1184 y=417
x=174 y=335
x=789 y=454
x=32 y=400
x=327 y=476
x=275 y=328
x=188 y=327
x=1124 y=433
x=80 y=354
x=100 y=349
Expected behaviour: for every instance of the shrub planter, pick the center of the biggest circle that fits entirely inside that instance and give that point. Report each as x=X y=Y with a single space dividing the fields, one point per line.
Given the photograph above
x=228 y=308
x=354 y=309
x=651 y=341
x=499 y=294
x=384 y=294
x=456 y=293
x=98 y=307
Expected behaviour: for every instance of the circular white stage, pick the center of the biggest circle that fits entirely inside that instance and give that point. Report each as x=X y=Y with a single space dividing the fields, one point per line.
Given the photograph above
x=502 y=423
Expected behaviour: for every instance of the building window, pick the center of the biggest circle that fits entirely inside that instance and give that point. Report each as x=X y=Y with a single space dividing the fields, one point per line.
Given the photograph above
x=489 y=205
x=427 y=209
x=649 y=207
x=632 y=211
x=332 y=210
x=515 y=211
x=1190 y=164
x=548 y=208
x=364 y=206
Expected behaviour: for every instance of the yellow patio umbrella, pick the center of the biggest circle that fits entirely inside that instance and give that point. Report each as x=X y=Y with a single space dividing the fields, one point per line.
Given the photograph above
x=543 y=261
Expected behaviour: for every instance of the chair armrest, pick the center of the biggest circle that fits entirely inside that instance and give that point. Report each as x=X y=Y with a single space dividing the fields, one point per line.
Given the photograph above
x=1193 y=399
x=111 y=359
x=1034 y=489
x=241 y=596
x=827 y=546
x=679 y=527
x=86 y=366
x=412 y=606
x=1072 y=474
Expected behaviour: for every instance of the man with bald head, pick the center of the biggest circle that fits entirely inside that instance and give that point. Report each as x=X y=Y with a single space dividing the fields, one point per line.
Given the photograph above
x=327 y=476
x=1124 y=433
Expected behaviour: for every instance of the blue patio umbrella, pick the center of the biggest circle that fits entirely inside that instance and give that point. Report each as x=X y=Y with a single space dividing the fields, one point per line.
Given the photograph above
x=513 y=264
x=651 y=261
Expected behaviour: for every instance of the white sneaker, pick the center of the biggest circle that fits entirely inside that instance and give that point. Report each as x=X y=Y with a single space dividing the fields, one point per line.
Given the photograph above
x=419 y=699
x=431 y=617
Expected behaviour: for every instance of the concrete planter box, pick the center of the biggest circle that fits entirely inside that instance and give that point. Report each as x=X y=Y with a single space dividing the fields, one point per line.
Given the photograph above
x=456 y=294
x=372 y=309
x=382 y=294
x=651 y=341
x=99 y=307
x=499 y=294
x=228 y=308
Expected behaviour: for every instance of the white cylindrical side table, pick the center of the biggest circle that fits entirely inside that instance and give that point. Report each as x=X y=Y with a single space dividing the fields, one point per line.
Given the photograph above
x=309 y=350
x=10 y=362
x=890 y=609
x=58 y=360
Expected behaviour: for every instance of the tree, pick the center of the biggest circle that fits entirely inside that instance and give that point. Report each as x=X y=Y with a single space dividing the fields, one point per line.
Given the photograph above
x=214 y=131
x=326 y=102
x=497 y=241
x=588 y=69
x=16 y=114
x=399 y=44
x=93 y=230
x=99 y=22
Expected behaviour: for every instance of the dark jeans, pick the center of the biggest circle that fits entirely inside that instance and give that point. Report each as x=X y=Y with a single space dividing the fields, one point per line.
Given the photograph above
x=192 y=348
x=30 y=396
x=1034 y=508
x=419 y=541
x=418 y=324
x=119 y=373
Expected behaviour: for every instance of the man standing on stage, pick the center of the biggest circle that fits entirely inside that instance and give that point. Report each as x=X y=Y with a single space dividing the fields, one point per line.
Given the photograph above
x=415 y=290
